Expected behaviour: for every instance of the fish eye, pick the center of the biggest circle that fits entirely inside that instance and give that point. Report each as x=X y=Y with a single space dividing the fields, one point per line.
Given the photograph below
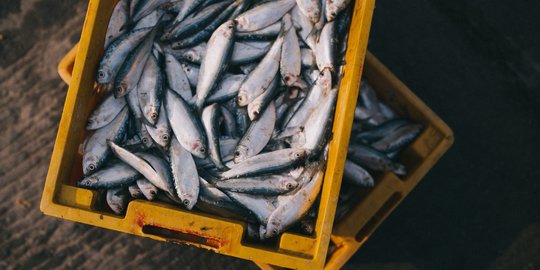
x=165 y=137
x=275 y=231
x=153 y=192
x=185 y=202
x=101 y=74
x=154 y=115
x=237 y=153
x=202 y=150
x=120 y=89
x=145 y=140
x=91 y=167
x=297 y=154
x=290 y=186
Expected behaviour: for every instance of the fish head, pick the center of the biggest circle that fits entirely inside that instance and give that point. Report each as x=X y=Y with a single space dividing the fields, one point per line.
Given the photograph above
x=227 y=28
x=104 y=75
x=325 y=78
x=297 y=154
x=89 y=164
x=199 y=149
x=243 y=98
x=89 y=181
x=240 y=154
x=272 y=229
x=163 y=137
x=331 y=12
x=121 y=89
x=314 y=15
x=288 y=184
x=188 y=200
x=255 y=111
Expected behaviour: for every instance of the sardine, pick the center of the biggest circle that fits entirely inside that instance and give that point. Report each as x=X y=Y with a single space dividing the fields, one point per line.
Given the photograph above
x=398 y=139
x=267 y=185
x=148 y=189
x=310 y=8
x=185 y=125
x=177 y=78
x=117 y=23
x=374 y=160
x=319 y=123
x=356 y=175
x=161 y=133
x=263 y=15
x=271 y=162
x=291 y=61
x=105 y=112
x=227 y=88
x=257 y=135
x=149 y=91
x=334 y=7
x=268 y=33
x=184 y=171
x=135 y=191
x=215 y=62
x=209 y=118
x=96 y=149
x=259 y=105
x=260 y=206
x=229 y=123
x=115 y=175
x=326 y=47
x=117 y=199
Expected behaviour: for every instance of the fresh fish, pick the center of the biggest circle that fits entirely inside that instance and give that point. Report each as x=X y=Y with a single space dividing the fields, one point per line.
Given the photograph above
x=105 y=112
x=307 y=57
x=372 y=159
x=184 y=171
x=152 y=168
x=187 y=8
x=397 y=140
x=291 y=58
x=297 y=205
x=267 y=185
x=116 y=54
x=177 y=78
x=257 y=135
x=185 y=125
x=229 y=123
x=326 y=47
x=161 y=133
x=259 y=105
x=209 y=118
x=135 y=191
x=334 y=7
x=195 y=21
x=149 y=91
x=115 y=175
x=227 y=88
x=260 y=79
x=117 y=200
x=318 y=124
x=310 y=8
x=194 y=54
x=146 y=138
x=215 y=62
x=192 y=73
x=145 y=7
x=272 y=162
x=207 y=32
x=356 y=175
x=247 y=52
x=380 y=131
x=95 y=148
x=148 y=189
x=268 y=33
x=260 y=206
x=263 y=15
x=117 y=23
x=130 y=72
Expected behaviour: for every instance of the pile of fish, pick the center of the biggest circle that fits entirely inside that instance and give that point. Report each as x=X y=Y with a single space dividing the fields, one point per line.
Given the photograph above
x=378 y=137
x=221 y=105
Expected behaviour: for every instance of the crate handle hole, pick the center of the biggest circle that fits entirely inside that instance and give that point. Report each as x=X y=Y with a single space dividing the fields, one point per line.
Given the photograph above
x=180 y=237
x=379 y=216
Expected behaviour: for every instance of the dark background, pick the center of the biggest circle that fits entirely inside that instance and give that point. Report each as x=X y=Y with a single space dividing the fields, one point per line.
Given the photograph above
x=476 y=63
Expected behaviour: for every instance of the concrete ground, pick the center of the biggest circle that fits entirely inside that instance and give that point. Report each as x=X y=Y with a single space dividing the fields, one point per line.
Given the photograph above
x=476 y=63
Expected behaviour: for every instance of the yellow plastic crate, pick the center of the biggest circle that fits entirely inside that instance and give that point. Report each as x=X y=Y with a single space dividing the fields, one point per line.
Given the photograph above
x=160 y=221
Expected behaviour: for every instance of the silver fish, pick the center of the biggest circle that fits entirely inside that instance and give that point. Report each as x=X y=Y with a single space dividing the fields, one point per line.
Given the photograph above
x=115 y=175
x=209 y=118
x=152 y=168
x=177 y=78
x=378 y=132
x=271 y=162
x=304 y=27
x=194 y=54
x=260 y=79
x=268 y=33
x=135 y=191
x=116 y=54
x=105 y=112
x=267 y=185
x=326 y=46
x=257 y=135
x=227 y=88
x=117 y=199
x=259 y=105
x=260 y=206
x=291 y=61
x=398 y=139
x=372 y=159
x=117 y=23
x=161 y=133
x=318 y=124
x=334 y=7
x=184 y=171
x=310 y=8
x=130 y=72
x=96 y=149
x=149 y=91
x=185 y=125
x=247 y=52
x=263 y=15
x=187 y=8
x=296 y=206
x=229 y=123
x=356 y=175
x=307 y=57
x=215 y=61
x=148 y=189
x=192 y=73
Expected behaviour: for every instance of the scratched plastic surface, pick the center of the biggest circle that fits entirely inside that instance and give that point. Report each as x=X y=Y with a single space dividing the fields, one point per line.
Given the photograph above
x=160 y=221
